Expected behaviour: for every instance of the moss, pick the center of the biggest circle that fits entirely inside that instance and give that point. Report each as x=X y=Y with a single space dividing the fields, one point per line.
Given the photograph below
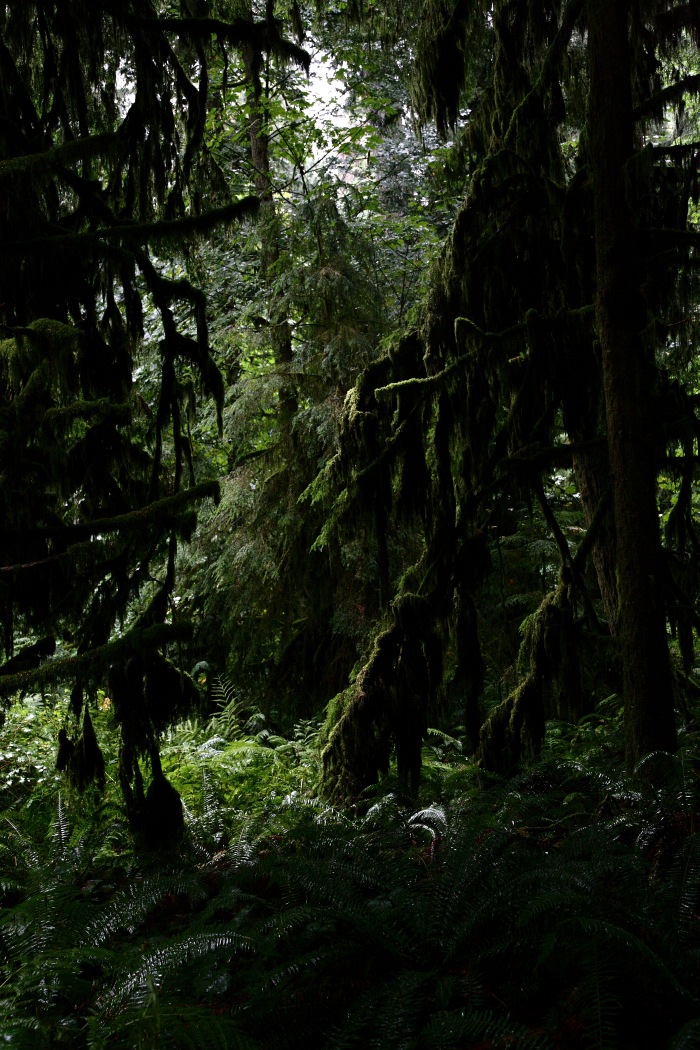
x=93 y=493
x=562 y=664
x=505 y=358
x=359 y=725
x=514 y=730
x=82 y=761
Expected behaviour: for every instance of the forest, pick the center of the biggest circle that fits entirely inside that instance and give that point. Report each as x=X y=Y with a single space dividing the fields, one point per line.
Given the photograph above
x=350 y=561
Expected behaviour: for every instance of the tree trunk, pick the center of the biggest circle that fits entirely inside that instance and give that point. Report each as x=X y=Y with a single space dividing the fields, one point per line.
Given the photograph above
x=592 y=471
x=627 y=378
x=270 y=235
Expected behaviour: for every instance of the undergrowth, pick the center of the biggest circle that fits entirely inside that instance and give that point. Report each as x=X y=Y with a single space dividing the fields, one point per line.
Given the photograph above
x=556 y=909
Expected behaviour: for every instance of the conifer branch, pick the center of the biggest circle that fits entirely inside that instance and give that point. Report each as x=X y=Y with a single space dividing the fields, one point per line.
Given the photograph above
x=553 y=57
x=96 y=661
x=260 y=35
x=671 y=23
x=654 y=106
x=160 y=512
x=58 y=155
x=142 y=232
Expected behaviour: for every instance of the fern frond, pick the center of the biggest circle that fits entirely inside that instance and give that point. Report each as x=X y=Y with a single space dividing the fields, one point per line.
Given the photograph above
x=642 y=965
x=386 y=1016
x=61 y=826
x=177 y=1025
x=227 y=722
x=49 y=990
x=688 y=1038
x=685 y=883
x=170 y=966
x=23 y=849
x=42 y=920
x=456 y=1029
x=24 y=1033
x=129 y=906
x=433 y=820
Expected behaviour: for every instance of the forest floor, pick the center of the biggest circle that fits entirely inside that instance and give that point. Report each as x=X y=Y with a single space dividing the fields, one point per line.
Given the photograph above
x=560 y=908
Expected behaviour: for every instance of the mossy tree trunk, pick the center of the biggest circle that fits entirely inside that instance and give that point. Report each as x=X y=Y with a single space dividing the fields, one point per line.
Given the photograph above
x=271 y=253
x=270 y=231
x=627 y=377
x=592 y=470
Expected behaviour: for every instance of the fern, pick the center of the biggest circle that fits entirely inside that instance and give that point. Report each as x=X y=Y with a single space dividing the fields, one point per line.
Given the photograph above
x=455 y=1029
x=160 y=1024
x=688 y=1037
x=538 y=912
x=684 y=884
x=228 y=721
x=130 y=905
x=386 y=1015
x=178 y=966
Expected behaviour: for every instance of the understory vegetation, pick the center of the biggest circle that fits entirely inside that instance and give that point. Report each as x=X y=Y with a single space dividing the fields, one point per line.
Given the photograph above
x=558 y=908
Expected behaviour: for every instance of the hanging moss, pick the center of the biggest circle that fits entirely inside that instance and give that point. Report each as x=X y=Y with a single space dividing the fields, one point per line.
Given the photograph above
x=82 y=760
x=92 y=507
x=553 y=650
x=467 y=677
x=358 y=725
x=162 y=820
x=387 y=706
x=563 y=666
x=451 y=45
x=514 y=730
x=169 y=692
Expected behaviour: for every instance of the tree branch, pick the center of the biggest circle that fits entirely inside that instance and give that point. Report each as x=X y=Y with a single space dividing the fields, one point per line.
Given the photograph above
x=150 y=514
x=654 y=106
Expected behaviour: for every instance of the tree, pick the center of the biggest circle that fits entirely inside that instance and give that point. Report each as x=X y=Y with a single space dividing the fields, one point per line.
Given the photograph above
x=534 y=352
x=623 y=318
x=103 y=111
x=336 y=260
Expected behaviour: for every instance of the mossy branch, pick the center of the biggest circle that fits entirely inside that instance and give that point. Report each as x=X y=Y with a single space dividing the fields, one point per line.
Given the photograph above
x=96 y=661
x=262 y=36
x=103 y=408
x=654 y=106
x=160 y=512
x=421 y=381
x=57 y=156
x=144 y=232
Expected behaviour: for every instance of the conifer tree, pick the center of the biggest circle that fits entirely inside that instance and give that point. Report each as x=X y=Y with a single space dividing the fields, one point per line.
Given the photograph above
x=566 y=286
x=322 y=285
x=103 y=172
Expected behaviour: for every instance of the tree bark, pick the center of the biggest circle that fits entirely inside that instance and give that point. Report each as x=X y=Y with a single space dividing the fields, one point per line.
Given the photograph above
x=628 y=371
x=592 y=471
x=270 y=234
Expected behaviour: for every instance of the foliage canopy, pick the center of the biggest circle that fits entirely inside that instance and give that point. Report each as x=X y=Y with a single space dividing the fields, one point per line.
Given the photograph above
x=103 y=169
x=362 y=533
